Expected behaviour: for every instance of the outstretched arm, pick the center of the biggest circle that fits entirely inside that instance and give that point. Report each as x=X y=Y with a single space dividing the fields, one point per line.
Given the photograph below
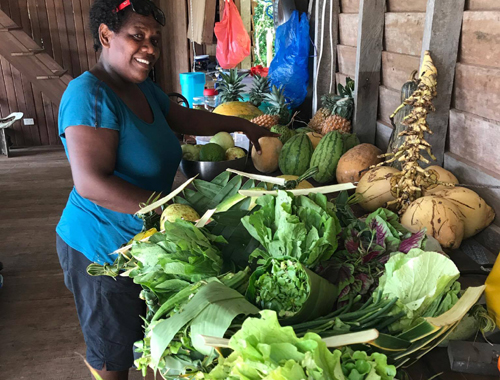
x=202 y=123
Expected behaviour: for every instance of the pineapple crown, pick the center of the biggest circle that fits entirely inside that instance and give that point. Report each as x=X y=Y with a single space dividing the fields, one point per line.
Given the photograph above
x=344 y=108
x=259 y=90
x=278 y=104
x=231 y=88
x=346 y=91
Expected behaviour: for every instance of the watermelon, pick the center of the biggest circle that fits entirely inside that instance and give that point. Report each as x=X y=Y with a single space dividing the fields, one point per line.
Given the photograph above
x=350 y=141
x=327 y=156
x=295 y=155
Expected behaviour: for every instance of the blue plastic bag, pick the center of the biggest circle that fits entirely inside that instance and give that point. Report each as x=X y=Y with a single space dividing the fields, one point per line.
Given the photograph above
x=289 y=67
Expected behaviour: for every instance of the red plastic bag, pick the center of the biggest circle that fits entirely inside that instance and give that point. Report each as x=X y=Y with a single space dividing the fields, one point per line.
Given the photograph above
x=259 y=69
x=233 y=41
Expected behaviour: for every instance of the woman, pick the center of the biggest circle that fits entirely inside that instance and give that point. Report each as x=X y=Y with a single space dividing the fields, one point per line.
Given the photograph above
x=118 y=129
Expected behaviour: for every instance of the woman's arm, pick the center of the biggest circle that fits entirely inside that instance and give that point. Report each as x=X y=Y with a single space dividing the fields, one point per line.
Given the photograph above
x=92 y=155
x=202 y=123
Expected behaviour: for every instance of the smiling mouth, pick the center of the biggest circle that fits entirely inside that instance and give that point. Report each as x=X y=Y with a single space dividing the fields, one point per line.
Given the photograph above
x=143 y=61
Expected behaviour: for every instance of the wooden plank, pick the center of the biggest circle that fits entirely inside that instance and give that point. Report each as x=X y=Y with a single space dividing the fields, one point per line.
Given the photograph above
x=397 y=68
x=174 y=49
x=54 y=34
x=476 y=138
x=403 y=32
x=5 y=6
x=325 y=80
x=22 y=134
x=470 y=173
x=341 y=79
x=441 y=36
x=50 y=121
x=25 y=18
x=480 y=43
x=348 y=29
x=482 y=5
x=71 y=36
x=63 y=35
x=35 y=24
x=389 y=100
x=46 y=41
x=246 y=17
x=31 y=112
x=477 y=90
x=40 y=115
x=406 y=6
x=4 y=105
x=55 y=115
x=384 y=132
x=15 y=15
x=349 y=6
x=368 y=62
x=347 y=60
x=91 y=57
x=80 y=30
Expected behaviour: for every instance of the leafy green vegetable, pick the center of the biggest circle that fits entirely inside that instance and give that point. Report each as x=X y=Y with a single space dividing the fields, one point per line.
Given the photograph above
x=417 y=278
x=265 y=350
x=296 y=227
x=290 y=289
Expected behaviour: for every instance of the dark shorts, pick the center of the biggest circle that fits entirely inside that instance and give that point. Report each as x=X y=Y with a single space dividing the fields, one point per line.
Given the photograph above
x=109 y=311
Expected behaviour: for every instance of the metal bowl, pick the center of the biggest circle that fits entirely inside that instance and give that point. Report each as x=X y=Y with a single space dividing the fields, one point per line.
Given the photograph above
x=208 y=170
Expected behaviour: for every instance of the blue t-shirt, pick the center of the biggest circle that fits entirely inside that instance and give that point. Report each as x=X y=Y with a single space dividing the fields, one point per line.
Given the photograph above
x=148 y=157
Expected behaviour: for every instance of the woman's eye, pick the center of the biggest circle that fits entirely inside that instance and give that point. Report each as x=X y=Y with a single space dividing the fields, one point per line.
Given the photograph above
x=155 y=41
x=138 y=36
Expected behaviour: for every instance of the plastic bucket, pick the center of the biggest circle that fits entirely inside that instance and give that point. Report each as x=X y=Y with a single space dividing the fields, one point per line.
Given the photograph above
x=192 y=85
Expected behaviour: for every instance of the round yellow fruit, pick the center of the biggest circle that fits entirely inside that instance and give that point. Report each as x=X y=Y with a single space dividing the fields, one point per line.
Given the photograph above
x=443 y=176
x=178 y=211
x=315 y=138
x=375 y=187
x=267 y=162
x=244 y=110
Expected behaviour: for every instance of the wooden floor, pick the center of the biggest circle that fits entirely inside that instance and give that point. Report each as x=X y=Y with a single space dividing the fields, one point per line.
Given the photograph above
x=40 y=336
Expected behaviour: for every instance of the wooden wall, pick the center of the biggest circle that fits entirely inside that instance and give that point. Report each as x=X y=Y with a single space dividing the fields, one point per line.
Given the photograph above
x=473 y=134
x=61 y=28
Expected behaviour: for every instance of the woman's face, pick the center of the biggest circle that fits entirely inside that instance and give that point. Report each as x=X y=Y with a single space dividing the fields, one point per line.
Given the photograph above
x=133 y=51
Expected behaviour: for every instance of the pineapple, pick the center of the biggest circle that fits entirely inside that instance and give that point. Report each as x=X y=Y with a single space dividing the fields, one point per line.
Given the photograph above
x=328 y=101
x=278 y=105
x=266 y=121
x=259 y=90
x=231 y=87
x=340 y=118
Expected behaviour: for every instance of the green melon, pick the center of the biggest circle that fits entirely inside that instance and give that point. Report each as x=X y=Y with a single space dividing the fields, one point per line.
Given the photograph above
x=212 y=152
x=350 y=141
x=327 y=156
x=295 y=155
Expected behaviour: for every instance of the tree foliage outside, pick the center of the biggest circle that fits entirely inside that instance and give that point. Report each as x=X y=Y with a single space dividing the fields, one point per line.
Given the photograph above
x=263 y=24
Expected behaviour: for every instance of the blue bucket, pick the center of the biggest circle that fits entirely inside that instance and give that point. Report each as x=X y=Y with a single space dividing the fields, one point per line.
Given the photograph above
x=192 y=85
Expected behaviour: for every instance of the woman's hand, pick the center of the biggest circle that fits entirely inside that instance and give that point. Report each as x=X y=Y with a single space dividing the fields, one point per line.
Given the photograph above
x=254 y=132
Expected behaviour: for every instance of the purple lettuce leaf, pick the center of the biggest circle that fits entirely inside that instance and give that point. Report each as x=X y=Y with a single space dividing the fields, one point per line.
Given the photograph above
x=366 y=282
x=414 y=241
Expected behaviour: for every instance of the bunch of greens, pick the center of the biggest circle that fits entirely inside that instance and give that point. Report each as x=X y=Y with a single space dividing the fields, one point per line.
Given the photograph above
x=265 y=350
x=367 y=245
x=302 y=228
x=357 y=365
x=292 y=290
x=170 y=261
x=173 y=342
x=424 y=283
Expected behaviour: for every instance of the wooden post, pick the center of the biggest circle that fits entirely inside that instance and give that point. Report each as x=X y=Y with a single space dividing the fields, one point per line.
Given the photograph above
x=246 y=17
x=443 y=22
x=368 y=63
x=326 y=32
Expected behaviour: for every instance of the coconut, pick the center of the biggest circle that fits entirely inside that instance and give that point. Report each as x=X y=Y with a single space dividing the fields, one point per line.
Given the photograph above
x=355 y=161
x=375 y=187
x=443 y=176
x=442 y=219
x=476 y=213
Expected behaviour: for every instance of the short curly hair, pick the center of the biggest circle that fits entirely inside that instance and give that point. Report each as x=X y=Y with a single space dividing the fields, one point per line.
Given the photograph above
x=102 y=12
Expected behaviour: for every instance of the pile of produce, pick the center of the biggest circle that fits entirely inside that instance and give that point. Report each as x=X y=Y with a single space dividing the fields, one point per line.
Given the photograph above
x=425 y=198
x=220 y=148
x=273 y=286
